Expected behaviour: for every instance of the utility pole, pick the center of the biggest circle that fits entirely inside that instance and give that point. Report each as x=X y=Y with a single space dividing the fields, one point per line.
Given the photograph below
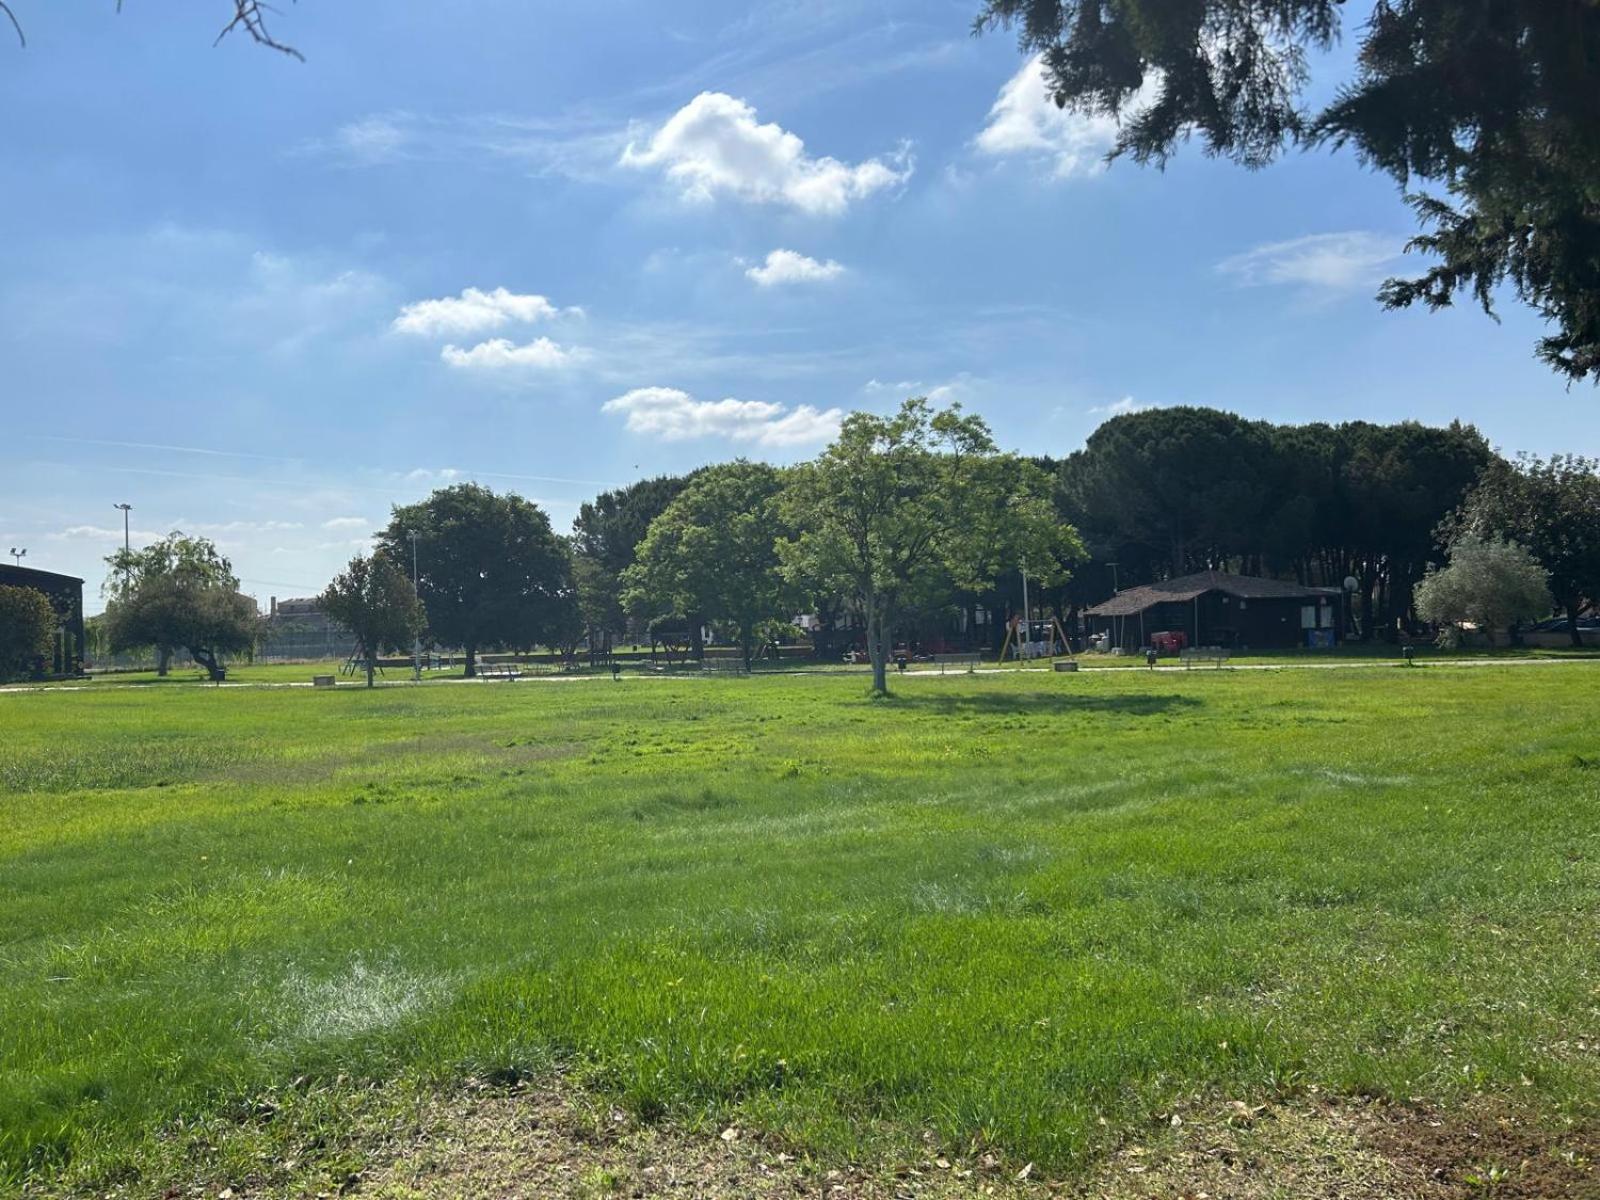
x=127 y=544
x=1027 y=616
x=416 y=639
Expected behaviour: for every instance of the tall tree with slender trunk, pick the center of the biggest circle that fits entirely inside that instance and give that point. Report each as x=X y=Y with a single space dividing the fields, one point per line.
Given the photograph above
x=898 y=504
x=374 y=601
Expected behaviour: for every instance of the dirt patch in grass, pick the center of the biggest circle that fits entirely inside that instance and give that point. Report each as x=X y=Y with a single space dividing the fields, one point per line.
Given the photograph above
x=546 y=1138
x=1492 y=1152
x=550 y=1142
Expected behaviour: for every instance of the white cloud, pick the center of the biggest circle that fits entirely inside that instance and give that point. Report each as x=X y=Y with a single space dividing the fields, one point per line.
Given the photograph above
x=1119 y=409
x=229 y=527
x=714 y=145
x=425 y=475
x=346 y=523
x=473 y=311
x=675 y=416
x=100 y=533
x=375 y=139
x=790 y=266
x=904 y=387
x=1026 y=121
x=1319 y=262
x=500 y=354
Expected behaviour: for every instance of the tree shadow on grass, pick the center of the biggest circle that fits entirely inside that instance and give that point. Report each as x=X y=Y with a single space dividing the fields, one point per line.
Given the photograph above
x=1043 y=703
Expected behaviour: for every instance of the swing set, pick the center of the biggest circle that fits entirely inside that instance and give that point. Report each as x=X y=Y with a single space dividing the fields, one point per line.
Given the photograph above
x=1028 y=647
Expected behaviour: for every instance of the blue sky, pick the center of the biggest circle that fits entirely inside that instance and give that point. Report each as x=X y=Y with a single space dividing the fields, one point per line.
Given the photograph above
x=555 y=247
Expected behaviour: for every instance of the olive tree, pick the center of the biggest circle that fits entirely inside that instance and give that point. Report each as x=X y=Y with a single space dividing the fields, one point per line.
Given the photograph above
x=1490 y=584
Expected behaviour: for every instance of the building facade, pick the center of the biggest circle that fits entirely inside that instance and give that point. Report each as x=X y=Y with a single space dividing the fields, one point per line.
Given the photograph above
x=1213 y=608
x=65 y=593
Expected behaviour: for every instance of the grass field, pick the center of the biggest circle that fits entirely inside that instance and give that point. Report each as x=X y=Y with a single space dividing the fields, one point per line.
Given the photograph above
x=1028 y=913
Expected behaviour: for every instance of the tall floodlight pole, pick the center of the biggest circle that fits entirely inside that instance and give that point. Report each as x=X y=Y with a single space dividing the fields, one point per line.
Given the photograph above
x=18 y=555
x=416 y=638
x=127 y=543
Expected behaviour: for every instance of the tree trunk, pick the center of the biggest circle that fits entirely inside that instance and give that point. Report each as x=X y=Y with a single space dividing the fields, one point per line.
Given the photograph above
x=1572 y=605
x=697 y=638
x=876 y=640
x=163 y=660
x=208 y=660
x=372 y=668
x=472 y=661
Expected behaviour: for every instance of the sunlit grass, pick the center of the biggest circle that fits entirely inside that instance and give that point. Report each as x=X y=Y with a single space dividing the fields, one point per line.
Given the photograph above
x=1025 y=909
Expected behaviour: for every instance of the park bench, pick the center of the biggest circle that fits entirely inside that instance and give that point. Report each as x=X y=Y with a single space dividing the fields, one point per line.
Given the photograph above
x=969 y=658
x=725 y=666
x=505 y=671
x=1194 y=654
x=322 y=681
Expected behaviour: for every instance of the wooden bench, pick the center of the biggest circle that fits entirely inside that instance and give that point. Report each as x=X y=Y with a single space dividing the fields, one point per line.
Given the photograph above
x=971 y=658
x=724 y=665
x=505 y=671
x=1194 y=654
x=322 y=681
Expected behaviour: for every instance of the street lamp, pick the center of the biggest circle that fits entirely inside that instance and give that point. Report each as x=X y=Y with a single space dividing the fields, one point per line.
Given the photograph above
x=18 y=555
x=127 y=545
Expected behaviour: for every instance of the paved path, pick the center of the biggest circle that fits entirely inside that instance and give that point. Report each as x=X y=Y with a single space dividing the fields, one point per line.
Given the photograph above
x=1086 y=672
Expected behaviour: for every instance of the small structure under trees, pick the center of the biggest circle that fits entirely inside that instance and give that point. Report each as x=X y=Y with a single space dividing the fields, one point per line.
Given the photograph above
x=1213 y=608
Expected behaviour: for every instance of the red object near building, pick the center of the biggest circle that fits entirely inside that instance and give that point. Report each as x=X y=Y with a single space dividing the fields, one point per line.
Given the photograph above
x=1169 y=641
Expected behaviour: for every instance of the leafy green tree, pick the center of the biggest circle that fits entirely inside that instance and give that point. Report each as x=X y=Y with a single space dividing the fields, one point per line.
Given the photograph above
x=1551 y=506
x=1490 y=584
x=179 y=592
x=491 y=572
x=27 y=623
x=1185 y=484
x=897 y=504
x=712 y=552
x=1496 y=104
x=605 y=537
x=374 y=601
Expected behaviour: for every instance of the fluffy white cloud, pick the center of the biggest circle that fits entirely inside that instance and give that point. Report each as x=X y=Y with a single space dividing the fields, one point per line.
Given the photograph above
x=473 y=311
x=714 y=145
x=1320 y=262
x=674 y=416
x=790 y=266
x=1119 y=409
x=498 y=354
x=346 y=523
x=1025 y=121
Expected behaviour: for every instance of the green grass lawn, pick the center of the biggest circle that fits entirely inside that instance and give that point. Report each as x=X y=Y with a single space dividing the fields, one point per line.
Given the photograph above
x=1024 y=910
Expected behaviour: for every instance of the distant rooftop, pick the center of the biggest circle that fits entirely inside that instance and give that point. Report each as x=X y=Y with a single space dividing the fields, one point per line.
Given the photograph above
x=1187 y=587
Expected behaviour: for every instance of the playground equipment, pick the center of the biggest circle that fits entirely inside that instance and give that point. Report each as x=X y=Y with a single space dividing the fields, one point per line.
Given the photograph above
x=1028 y=646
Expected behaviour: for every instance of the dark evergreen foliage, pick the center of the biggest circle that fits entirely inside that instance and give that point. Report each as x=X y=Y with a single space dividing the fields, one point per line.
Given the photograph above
x=1495 y=104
